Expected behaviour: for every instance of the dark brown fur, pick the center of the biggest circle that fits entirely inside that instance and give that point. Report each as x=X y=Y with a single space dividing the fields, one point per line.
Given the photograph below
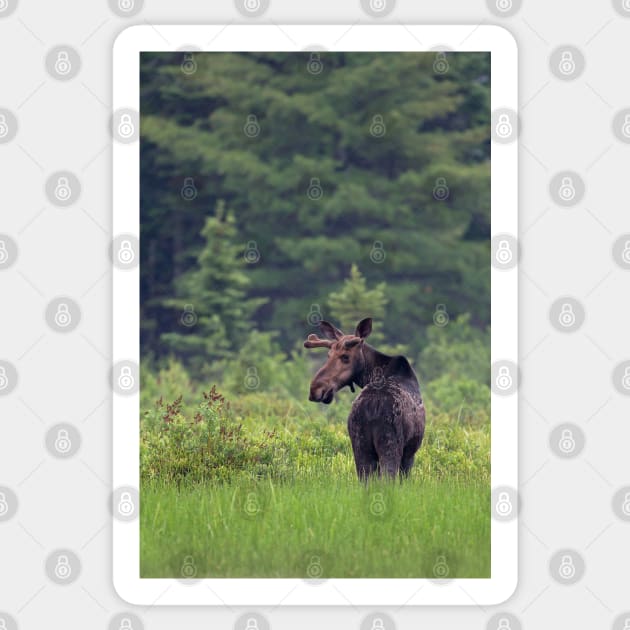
x=386 y=422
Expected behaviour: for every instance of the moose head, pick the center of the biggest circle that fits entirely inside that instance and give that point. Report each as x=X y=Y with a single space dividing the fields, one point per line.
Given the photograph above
x=346 y=361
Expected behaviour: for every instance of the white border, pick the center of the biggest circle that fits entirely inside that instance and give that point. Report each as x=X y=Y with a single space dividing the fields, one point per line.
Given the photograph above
x=126 y=169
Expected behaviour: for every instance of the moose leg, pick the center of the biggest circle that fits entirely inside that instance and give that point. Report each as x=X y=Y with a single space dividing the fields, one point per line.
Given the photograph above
x=388 y=445
x=365 y=457
x=366 y=466
x=408 y=455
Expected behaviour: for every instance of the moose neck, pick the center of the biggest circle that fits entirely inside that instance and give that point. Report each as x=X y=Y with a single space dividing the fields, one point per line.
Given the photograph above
x=375 y=366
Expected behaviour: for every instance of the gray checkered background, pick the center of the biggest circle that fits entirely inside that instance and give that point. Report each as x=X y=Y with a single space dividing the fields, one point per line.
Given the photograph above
x=55 y=398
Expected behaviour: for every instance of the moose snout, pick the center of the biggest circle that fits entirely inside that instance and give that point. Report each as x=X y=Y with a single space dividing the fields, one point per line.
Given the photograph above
x=321 y=393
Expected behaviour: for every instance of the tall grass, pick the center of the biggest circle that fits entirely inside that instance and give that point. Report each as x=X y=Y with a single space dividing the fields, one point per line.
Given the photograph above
x=262 y=484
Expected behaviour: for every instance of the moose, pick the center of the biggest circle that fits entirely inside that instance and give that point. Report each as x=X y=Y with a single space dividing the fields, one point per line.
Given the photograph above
x=386 y=422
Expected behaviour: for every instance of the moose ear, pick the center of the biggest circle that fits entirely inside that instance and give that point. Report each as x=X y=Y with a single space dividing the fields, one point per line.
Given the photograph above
x=329 y=331
x=364 y=328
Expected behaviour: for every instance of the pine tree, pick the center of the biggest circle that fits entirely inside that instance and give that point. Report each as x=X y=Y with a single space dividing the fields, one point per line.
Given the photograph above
x=354 y=301
x=211 y=315
x=396 y=152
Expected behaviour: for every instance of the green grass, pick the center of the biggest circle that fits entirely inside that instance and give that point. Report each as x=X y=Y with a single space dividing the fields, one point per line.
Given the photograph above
x=262 y=484
x=321 y=527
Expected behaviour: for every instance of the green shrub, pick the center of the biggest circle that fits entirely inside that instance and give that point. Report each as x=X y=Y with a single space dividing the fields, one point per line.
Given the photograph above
x=457 y=350
x=464 y=400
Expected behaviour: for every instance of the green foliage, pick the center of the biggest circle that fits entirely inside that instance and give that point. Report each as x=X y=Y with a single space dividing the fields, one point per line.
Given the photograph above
x=456 y=351
x=354 y=301
x=216 y=290
x=224 y=481
x=375 y=189
x=209 y=444
x=268 y=431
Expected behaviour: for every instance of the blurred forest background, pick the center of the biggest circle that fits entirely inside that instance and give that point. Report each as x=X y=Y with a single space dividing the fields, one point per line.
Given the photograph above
x=282 y=188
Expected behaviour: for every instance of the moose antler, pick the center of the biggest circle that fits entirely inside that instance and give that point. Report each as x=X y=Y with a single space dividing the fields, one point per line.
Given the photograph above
x=313 y=341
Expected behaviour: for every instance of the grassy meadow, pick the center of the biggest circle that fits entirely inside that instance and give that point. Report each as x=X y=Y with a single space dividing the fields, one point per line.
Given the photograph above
x=249 y=479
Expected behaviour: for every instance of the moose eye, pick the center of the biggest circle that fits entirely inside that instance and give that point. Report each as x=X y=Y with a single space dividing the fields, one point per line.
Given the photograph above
x=345 y=358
